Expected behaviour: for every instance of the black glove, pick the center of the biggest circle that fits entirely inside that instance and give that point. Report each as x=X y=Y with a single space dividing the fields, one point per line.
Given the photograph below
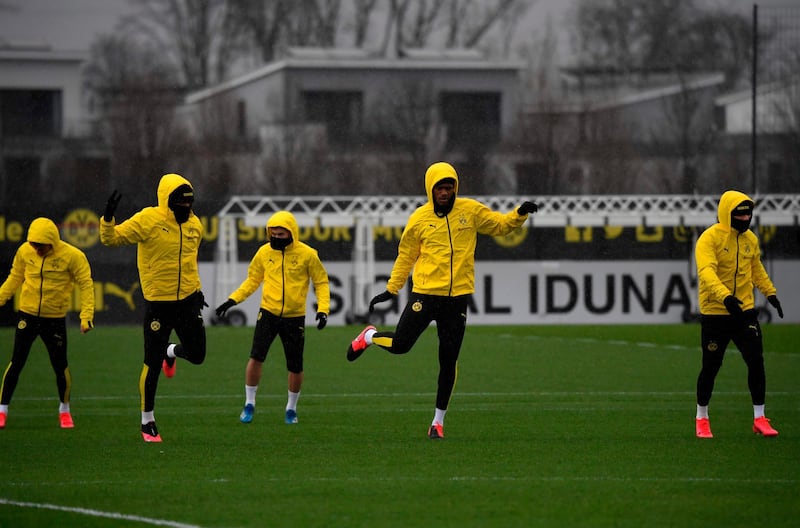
x=323 y=320
x=773 y=300
x=733 y=305
x=527 y=208
x=111 y=205
x=381 y=297
x=202 y=299
x=224 y=307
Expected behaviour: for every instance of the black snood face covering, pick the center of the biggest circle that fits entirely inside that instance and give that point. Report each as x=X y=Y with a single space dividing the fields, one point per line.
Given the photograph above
x=180 y=203
x=279 y=243
x=744 y=208
x=444 y=210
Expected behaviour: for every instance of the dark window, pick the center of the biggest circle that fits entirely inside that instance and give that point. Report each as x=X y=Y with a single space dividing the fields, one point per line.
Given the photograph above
x=94 y=174
x=241 y=118
x=21 y=183
x=30 y=113
x=719 y=118
x=532 y=178
x=341 y=112
x=472 y=119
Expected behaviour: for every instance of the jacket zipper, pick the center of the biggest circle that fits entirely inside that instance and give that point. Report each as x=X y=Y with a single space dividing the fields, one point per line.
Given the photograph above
x=736 y=269
x=41 y=288
x=283 y=281
x=180 y=258
x=450 y=239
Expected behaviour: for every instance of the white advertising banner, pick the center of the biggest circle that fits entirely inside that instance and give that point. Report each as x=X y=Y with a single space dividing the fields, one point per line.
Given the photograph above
x=547 y=292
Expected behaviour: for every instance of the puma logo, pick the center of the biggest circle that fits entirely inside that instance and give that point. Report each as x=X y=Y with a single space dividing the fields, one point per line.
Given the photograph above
x=112 y=289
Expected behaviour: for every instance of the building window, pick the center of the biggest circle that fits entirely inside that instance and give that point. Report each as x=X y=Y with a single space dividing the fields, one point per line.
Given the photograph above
x=30 y=113
x=472 y=119
x=241 y=118
x=340 y=112
x=719 y=118
x=532 y=178
x=21 y=179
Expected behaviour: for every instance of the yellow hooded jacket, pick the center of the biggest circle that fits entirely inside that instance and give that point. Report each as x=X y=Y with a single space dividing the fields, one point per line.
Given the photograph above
x=441 y=249
x=729 y=262
x=48 y=282
x=285 y=274
x=166 y=254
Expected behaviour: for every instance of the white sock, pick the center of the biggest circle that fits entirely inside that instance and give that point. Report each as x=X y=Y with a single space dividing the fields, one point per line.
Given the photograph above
x=702 y=411
x=171 y=350
x=291 y=402
x=4 y=409
x=147 y=417
x=368 y=335
x=63 y=407
x=250 y=394
x=438 y=416
x=758 y=411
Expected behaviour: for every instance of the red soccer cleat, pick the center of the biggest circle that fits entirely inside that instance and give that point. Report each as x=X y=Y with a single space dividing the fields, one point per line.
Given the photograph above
x=702 y=428
x=436 y=431
x=150 y=432
x=65 y=418
x=761 y=426
x=359 y=345
x=3 y=417
x=169 y=369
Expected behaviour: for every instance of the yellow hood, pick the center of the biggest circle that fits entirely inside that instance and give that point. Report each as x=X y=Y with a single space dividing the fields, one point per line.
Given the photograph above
x=727 y=203
x=436 y=173
x=168 y=183
x=286 y=220
x=44 y=231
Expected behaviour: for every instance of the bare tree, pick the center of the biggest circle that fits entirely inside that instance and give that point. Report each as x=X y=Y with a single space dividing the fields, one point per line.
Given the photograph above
x=471 y=20
x=362 y=16
x=272 y=25
x=261 y=22
x=666 y=35
x=404 y=122
x=190 y=32
x=136 y=91
x=542 y=128
x=293 y=152
x=690 y=124
x=785 y=106
x=454 y=23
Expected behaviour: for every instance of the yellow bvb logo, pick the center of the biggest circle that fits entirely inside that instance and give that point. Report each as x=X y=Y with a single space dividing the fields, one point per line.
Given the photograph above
x=22 y=324
x=81 y=228
x=512 y=239
x=417 y=306
x=155 y=326
x=712 y=347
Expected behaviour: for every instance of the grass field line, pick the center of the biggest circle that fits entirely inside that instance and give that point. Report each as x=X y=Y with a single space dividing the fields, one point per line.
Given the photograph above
x=625 y=343
x=596 y=341
x=454 y=478
x=97 y=513
x=493 y=394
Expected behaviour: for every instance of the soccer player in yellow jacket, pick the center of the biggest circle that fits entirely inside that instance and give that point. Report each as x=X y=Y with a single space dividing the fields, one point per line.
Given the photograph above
x=438 y=245
x=729 y=265
x=284 y=265
x=47 y=270
x=168 y=240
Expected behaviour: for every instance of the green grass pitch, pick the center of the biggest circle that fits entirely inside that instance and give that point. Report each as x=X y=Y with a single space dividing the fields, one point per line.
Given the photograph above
x=548 y=426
